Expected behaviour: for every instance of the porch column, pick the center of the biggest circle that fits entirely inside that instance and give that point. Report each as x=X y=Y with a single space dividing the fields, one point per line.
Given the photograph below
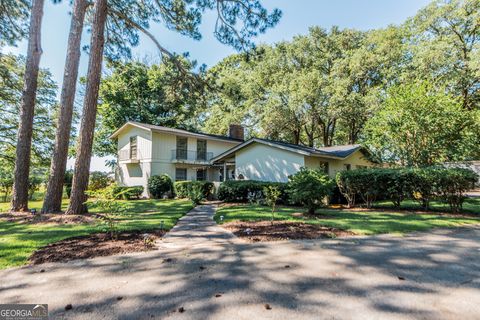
x=224 y=171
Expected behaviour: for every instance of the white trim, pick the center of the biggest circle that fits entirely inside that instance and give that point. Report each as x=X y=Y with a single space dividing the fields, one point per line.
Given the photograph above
x=117 y=132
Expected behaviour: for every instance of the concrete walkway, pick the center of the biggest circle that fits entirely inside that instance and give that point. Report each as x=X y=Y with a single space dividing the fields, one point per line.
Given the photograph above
x=197 y=229
x=201 y=272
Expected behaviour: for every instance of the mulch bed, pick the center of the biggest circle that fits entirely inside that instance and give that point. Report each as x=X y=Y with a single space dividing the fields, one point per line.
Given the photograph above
x=51 y=218
x=96 y=245
x=261 y=231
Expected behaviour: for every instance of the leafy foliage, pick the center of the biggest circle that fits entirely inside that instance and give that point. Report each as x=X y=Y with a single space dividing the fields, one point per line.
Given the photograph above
x=240 y=190
x=420 y=126
x=13 y=21
x=196 y=194
x=183 y=188
x=158 y=94
x=397 y=184
x=11 y=86
x=310 y=188
x=159 y=186
x=99 y=180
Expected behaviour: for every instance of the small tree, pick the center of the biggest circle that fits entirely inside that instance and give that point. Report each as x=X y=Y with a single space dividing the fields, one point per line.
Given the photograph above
x=195 y=194
x=272 y=194
x=99 y=180
x=310 y=187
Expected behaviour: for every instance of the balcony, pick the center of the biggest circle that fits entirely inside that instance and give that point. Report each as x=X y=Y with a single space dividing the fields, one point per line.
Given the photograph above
x=189 y=156
x=126 y=156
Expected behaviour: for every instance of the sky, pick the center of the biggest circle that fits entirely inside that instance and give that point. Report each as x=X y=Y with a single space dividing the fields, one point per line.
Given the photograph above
x=297 y=17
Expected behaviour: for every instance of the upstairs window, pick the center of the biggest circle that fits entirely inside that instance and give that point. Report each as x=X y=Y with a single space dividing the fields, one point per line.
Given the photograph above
x=202 y=150
x=133 y=147
x=182 y=144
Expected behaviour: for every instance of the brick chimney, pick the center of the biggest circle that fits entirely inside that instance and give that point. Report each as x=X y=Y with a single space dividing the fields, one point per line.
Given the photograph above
x=236 y=131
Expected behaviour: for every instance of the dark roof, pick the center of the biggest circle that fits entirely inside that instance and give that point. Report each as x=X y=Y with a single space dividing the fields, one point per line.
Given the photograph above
x=173 y=130
x=339 y=152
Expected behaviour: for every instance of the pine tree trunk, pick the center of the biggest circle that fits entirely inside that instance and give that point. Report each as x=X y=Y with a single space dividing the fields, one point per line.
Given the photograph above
x=87 y=127
x=24 y=136
x=53 y=196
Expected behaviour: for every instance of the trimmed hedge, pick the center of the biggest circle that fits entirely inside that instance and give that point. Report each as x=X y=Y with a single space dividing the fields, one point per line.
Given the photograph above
x=396 y=184
x=184 y=188
x=245 y=190
x=158 y=186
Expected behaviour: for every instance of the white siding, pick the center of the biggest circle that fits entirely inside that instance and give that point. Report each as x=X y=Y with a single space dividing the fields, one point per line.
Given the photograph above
x=135 y=174
x=265 y=163
x=356 y=160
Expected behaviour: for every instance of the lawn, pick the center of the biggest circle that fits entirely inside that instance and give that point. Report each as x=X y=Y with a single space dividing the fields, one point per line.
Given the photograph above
x=19 y=240
x=359 y=222
x=471 y=205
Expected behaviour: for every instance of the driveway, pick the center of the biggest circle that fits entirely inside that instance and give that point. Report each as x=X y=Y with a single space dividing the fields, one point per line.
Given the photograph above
x=203 y=272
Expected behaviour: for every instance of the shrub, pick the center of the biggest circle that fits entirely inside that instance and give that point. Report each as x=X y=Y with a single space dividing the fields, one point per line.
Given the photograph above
x=158 y=186
x=196 y=194
x=397 y=184
x=183 y=188
x=310 y=187
x=98 y=180
x=67 y=181
x=452 y=184
x=242 y=190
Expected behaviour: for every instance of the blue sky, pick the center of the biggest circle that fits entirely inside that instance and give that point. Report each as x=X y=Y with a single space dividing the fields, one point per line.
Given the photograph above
x=298 y=16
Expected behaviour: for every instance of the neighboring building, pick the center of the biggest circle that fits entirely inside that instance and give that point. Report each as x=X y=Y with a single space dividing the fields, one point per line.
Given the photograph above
x=145 y=150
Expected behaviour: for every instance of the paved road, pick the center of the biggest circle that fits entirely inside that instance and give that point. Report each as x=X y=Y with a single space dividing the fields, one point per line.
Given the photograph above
x=212 y=275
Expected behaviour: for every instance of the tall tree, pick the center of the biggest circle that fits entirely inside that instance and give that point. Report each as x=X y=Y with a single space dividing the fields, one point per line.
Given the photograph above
x=53 y=196
x=87 y=127
x=24 y=140
x=185 y=16
x=421 y=125
x=445 y=46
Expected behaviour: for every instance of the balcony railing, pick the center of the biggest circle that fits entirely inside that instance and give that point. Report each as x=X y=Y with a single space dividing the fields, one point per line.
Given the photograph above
x=191 y=156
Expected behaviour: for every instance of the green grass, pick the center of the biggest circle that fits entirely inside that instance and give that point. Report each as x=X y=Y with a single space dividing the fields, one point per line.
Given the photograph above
x=471 y=205
x=371 y=222
x=19 y=240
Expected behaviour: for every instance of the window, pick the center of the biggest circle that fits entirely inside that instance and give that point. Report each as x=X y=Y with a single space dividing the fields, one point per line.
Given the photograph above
x=202 y=150
x=347 y=166
x=201 y=174
x=133 y=147
x=324 y=166
x=180 y=174
x=182 y=143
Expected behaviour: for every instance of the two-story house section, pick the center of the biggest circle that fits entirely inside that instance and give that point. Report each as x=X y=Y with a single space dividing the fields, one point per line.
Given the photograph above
x=145 y=150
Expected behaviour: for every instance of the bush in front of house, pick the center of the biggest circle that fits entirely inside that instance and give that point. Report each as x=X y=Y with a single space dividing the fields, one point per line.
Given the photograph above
x=183 y=188
x=127 y=193
x=196 y=194
x=242 y=190
x=99 y=180
x=310 y=187
x=67 y=182
x=396 y=184
x=159 y=186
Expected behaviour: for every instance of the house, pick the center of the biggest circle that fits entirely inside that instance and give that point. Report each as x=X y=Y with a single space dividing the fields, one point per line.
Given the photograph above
x=145 y=150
